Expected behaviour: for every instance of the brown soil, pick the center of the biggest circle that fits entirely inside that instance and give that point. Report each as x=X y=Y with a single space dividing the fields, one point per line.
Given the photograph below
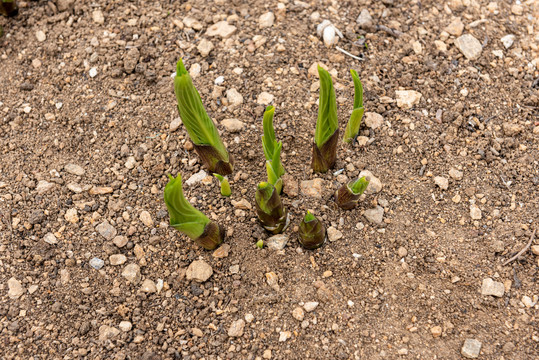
x=383 y=289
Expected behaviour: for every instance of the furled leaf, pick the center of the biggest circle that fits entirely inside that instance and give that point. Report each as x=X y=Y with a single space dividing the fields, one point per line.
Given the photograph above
x=352 y=128
x=327 y=122
x=312 y=233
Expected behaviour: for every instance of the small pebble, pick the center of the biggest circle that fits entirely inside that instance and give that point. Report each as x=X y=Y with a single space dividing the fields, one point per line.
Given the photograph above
x=97 y=263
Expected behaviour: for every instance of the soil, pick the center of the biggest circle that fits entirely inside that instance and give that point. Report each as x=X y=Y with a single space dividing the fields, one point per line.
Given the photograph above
x=89 y=84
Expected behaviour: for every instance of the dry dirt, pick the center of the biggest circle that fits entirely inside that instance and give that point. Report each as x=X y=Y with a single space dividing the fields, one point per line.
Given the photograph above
x=88 y=136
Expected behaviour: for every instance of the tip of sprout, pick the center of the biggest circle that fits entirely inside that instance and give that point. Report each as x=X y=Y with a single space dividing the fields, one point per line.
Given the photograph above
x=309 y=217
x=180 y=68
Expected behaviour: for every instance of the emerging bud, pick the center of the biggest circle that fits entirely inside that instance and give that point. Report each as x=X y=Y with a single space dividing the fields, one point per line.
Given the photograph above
x=201 y=129
x=271 y=212
x=312 y=233
x=272 y=151
x=188 y=220
x=225 y=186
x=348 y=195
x=352 y=128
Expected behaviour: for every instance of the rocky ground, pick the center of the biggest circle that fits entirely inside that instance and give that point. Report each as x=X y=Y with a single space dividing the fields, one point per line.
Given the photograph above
x=89 y=131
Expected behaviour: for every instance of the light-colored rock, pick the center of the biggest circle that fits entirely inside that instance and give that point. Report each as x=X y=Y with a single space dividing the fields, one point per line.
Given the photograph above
x=72 y=216
x=196 y=178
x=222 y=29
x=74 y=169
x=471 y=348
x=146 y=218
x=375 y=185
x=125 y=326
x=236 y=328
x=117 y=259
x=100 y=190
x=375 y=215
x=106 y=230
x=313 y=188
x=313 y=70
x=93 y=72
x=74 y=187
x=373 y=120
x=97 y=263
x=130 y=162
x=40 y=36
x=535 y=249
x=273 y=280
x=234 y=97
x=334 y=234
x=475 y=212
x=131 y=59
x=440 y=46
x=221 y=252
x=132 y=273
x=508 y=40
x=107 y=332
x=527 y=301
x=50 y=239
x=290 y=185
x=298 y=314
x=197 y=332
x=175 y=124
x=44 y=187
x=199 y=271
x=192 y=23
x=241 y=204
x=148 y=286
x=441 y=182
x=511 y=129
x=455 y=27
x=64 y=5
x=195 y=70
x=249 y=318
x=491 y=287
x=456 y=174
x=406 y=99
x=15 y=288
x=205 y=47
x=402 y=252
x=365 y=21
x=284 y=335
x=469 y=46
x=232 y=125
x=264 y=98
x=266 y=20
x=120 y=241
x=436 y=331
x=98 y=17
x=277 y=242
x=310 y=306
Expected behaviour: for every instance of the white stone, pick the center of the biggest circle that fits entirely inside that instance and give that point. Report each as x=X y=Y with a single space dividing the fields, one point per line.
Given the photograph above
x=16 y=290
x=491 y=287
x=284 y=335
x=373 y=120
x=222 y=29
x=74 y=169
x=44 y=187
x=196 y=178
x=298 y=314
x=264 y=98
x=146 y=218
x=117 y=259
x=475 y=212
x=205 y=47
x=266 y=20
x=234 y=97
x=310 y=306
x=236 y=328
x=199 y=271
x=50 y=239
x=313 y=188
x=175 y=124
x=40 y=36
x=528 y=302
x=107 y=332
x=125 y=326
x=455 y=27
x=195 y=70
x=76 y=188
x=72 y=216
x=508 y=40
x=334 y=234
x=98 y=17
x=148 y=286
x=132 y=273
x=471 y=348
x=192 y=23
x=233 y=125
x=364 y=20
x=375 y=215
x=456 y=174
x=442 y=182
x=406 y=99
x=130 y=162
x=106 y=230
x=249 y=318
x=277 y=242
x=469 y=46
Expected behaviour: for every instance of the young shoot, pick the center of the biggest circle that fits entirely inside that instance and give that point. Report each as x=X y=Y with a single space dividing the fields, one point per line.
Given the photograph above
x=225 y=186
x=271 y=212
x=352 y=128
x=188 y=220
x=348 y=195
x=272 y=151
x=199 y=126
x=327 y=127
x=312 y=233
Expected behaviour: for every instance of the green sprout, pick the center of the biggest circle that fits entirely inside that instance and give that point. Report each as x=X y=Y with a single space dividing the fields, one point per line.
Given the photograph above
x=312 y=233
x=272 y=151
x=225 y=186
x=260 y=244
x=9 y=8
x=352 y=128
x=188 y=220
x=201 y=129
x=271 y=212
x=327 y=127
x=348 y=195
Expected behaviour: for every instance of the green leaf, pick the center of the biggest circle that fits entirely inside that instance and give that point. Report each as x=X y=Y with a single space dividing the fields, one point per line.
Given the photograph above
x=225 y=185
x=200 y=127
x=268 y=139
x=327 y=122
x=309 y=217
x=183 y=216
x=358 y=90
x=359 y=186
x=352 y=128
